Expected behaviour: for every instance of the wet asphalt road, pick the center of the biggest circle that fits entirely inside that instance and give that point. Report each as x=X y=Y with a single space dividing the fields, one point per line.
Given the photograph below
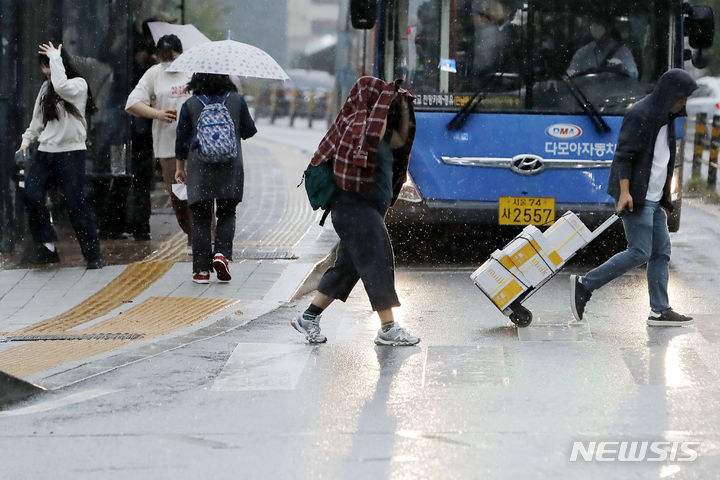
x=478 y=398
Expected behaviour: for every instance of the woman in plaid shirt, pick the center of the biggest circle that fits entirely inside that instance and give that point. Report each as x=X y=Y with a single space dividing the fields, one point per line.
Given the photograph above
x=369 y=145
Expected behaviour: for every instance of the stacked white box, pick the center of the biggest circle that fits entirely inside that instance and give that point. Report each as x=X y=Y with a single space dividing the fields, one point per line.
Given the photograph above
x=530 y=258
x=529 y=253
x=540 y=243
x=565 y=237
x=500 y=279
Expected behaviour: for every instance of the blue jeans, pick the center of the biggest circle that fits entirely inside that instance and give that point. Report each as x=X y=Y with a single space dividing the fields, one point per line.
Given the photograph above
x=648 y=242
x=67 y=169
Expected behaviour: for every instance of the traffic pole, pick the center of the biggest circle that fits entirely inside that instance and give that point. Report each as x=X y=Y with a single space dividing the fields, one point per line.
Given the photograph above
x=311 y=108
x=273 y=105
x=714 y=145
x=700 y=131
x=293 y=107
x=330 y=108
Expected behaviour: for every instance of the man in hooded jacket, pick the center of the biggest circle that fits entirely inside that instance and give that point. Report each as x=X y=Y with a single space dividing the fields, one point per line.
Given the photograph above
x=640 y=178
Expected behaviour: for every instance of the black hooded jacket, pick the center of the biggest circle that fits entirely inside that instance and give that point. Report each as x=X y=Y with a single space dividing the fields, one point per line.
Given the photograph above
x=636 y=143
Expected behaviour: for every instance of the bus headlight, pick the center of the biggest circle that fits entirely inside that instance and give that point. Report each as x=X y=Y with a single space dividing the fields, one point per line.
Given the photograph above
x=409 y=191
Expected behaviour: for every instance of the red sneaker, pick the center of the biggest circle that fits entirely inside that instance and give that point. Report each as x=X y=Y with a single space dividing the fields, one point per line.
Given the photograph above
x=222 y=268
x=201 y=277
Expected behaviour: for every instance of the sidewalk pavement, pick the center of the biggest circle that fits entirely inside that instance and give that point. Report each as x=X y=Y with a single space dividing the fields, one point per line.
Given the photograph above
x=62 y=324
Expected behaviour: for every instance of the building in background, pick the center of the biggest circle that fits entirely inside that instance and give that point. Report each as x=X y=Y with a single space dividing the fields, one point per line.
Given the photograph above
x=258 y=23
x=288 y=30
x=312 y=30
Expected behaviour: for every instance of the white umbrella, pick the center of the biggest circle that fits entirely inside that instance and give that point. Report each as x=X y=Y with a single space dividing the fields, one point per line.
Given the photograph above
x=228 y=57
x=189 y=35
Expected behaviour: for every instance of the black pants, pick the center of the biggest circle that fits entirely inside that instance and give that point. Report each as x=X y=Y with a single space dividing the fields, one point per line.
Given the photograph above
x=68 y=170
x=364 y=253
x=202 y=248
x=143 y=180
x=111 y=196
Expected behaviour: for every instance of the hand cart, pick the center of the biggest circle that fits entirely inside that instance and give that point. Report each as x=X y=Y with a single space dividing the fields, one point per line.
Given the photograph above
x=521 y=316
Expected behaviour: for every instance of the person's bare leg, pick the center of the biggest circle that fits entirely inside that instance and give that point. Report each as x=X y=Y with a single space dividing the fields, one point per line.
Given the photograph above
x=323 y=301
x=180 y=207
x=386 y=316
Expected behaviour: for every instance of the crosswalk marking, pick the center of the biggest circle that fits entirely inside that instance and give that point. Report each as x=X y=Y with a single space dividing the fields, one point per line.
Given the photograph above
x=54 y=403
x=554 y=325
x=459 y=365
x=263 y=366
x=275 y=366
x=669 y=365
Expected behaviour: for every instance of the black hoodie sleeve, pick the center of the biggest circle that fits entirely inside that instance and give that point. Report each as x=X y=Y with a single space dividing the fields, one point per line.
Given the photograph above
x=632 y=143
x=184 y=133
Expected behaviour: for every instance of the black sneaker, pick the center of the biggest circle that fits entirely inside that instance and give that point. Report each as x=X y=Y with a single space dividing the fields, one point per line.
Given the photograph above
x=668 y=318
x=579 y=296
x=41 y=255
x=112 y=236
x=95 y=264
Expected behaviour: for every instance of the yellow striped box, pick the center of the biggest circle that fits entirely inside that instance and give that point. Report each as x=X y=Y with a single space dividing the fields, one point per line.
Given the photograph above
x=530 y=253
x=495 y=277
x=565 y=237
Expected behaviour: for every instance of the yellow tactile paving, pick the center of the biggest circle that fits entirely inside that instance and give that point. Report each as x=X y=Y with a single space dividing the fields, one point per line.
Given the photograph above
x=154 y=317
x=125 y=287
x=160 y=315
x=171 y=250
x=38 y=356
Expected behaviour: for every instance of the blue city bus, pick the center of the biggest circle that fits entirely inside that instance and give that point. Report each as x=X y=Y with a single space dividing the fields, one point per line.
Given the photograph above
x=512 y=127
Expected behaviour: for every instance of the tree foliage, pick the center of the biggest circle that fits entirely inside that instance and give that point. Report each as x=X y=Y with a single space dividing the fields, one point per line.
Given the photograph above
x=207 y=16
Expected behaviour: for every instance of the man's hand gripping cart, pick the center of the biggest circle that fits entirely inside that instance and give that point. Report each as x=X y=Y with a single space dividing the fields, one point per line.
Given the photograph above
x=512 y=275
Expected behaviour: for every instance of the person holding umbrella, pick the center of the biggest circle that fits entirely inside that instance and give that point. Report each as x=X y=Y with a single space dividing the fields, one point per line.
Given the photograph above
x=209 y=160
x=209 y=157
x=158 y=96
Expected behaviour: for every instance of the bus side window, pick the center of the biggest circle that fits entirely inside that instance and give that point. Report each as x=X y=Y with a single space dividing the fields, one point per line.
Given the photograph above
x=427 y=44
x=496 y=38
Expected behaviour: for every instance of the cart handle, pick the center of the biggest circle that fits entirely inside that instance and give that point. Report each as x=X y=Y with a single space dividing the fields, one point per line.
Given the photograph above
x=607 y=224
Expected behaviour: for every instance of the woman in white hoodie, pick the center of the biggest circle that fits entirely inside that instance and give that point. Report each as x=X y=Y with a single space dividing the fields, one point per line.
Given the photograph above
x=58 y=124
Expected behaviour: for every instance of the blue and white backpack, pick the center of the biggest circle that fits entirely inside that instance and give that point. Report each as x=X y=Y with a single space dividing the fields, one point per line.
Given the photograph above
x=216 y=139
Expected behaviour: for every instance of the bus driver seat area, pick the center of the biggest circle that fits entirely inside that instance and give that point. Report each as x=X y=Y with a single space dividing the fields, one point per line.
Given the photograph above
x=605 y=52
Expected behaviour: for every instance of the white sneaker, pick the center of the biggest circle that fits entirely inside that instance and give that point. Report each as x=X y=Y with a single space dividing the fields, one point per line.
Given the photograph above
x=396 y=336
x=310 y=327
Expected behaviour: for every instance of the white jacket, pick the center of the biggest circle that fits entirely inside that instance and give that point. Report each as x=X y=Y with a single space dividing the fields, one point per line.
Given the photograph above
x=67 y=133
x=164 y=91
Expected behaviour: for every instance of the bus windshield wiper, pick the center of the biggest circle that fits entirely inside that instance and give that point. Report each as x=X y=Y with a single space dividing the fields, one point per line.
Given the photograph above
x=458 y=121
x=600 y=125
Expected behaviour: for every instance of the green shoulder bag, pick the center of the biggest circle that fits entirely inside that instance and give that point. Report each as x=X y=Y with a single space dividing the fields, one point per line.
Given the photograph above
x=320 y=186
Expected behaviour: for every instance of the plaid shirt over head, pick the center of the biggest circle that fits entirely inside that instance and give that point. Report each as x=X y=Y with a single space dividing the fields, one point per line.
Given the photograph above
x=352 y=140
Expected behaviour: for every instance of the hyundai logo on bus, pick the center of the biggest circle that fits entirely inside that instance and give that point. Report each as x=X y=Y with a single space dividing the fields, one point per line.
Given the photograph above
x=527 y=164
x=564 y=131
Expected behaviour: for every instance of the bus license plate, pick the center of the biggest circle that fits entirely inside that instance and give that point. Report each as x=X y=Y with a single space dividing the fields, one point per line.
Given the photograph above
x=526 y=211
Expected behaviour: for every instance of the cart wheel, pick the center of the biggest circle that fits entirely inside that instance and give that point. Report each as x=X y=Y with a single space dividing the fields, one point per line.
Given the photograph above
x=521 y=316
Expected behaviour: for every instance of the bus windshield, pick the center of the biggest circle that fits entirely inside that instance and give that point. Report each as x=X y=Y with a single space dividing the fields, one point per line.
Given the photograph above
x=530 y=56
